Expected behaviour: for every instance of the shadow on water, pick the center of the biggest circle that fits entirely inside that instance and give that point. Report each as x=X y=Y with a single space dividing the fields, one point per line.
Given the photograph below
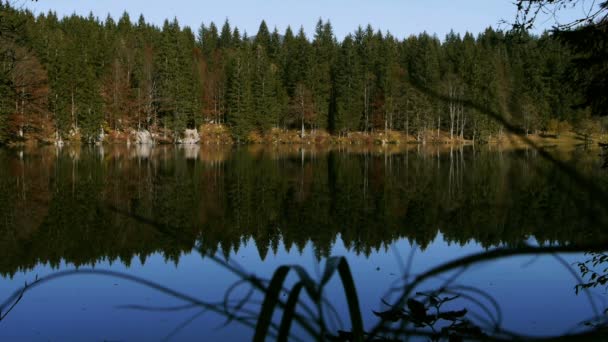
x=83 y=205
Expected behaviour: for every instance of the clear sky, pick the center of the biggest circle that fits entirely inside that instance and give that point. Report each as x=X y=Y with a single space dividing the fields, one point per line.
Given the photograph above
x=401 y=17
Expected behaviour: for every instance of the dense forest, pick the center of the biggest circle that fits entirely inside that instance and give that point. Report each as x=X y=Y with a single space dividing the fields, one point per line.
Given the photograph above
x=81 y=78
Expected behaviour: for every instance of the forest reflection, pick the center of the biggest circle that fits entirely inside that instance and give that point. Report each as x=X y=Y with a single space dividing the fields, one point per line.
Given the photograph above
x=86 y=204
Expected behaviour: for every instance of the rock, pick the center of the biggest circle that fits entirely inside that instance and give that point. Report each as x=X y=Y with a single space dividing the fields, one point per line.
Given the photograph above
x=143 y=137
x=191 y=137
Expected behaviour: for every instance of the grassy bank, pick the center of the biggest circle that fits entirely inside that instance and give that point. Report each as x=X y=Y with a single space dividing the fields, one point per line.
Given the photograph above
x=216 y=134
x=566 y=140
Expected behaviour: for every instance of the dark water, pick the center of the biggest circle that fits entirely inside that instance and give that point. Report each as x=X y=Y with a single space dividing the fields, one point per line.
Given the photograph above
x=154 y=213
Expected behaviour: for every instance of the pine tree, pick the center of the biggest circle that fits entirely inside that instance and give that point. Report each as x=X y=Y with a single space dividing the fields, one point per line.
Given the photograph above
x=347 y=88
x=323 y=57
x=225 y=40
x=239 y=96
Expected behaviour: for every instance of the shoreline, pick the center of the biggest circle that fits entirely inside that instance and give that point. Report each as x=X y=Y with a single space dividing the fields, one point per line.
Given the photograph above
x=220 y=135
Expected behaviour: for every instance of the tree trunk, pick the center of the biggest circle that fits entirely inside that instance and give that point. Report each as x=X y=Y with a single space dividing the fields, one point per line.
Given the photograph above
x=452 y=108
x=438 y=126
x=73 y=111
x=464 y=120
x=302 y=108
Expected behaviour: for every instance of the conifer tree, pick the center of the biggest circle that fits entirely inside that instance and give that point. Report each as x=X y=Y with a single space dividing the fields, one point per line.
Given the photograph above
x=86 y=74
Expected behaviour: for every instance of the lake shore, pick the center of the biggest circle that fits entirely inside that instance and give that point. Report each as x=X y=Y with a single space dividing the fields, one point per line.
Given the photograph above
x=221 y=135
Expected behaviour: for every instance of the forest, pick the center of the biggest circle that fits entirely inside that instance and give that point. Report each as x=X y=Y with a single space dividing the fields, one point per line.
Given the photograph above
x=84 y=79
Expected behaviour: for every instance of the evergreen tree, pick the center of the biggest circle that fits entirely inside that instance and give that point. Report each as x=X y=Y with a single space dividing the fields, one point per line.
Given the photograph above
x=77 y=74
x=239 y=96
x=320 y=82
x=225 y=40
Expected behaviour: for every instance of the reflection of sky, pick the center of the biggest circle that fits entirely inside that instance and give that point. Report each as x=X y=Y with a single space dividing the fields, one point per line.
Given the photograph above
x=536 y=297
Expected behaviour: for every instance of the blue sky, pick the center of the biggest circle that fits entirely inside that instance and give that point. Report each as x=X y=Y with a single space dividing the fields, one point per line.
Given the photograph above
x=401 y=17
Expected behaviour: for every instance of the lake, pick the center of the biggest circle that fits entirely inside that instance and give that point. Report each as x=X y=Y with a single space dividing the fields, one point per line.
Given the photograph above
x=177 y=216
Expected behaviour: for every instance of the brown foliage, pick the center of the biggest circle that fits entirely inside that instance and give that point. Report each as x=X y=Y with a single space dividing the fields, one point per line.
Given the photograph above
x=30 y=118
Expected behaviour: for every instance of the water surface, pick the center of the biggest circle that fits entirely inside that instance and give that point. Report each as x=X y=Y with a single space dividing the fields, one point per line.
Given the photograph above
x=156 y=212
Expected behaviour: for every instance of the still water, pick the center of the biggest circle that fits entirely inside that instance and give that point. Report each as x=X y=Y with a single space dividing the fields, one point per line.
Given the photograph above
x=159 y=213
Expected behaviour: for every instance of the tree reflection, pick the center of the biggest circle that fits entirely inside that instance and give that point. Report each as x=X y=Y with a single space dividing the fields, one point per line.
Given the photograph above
x=83 y=208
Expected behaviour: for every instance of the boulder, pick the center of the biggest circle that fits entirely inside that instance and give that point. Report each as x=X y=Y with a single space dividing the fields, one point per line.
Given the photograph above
x=143 y=137
x=191 y=137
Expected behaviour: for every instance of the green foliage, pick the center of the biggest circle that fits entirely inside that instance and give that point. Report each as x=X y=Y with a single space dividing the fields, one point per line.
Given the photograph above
x=594 y=271
x=129 y=74
x=240 y=101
